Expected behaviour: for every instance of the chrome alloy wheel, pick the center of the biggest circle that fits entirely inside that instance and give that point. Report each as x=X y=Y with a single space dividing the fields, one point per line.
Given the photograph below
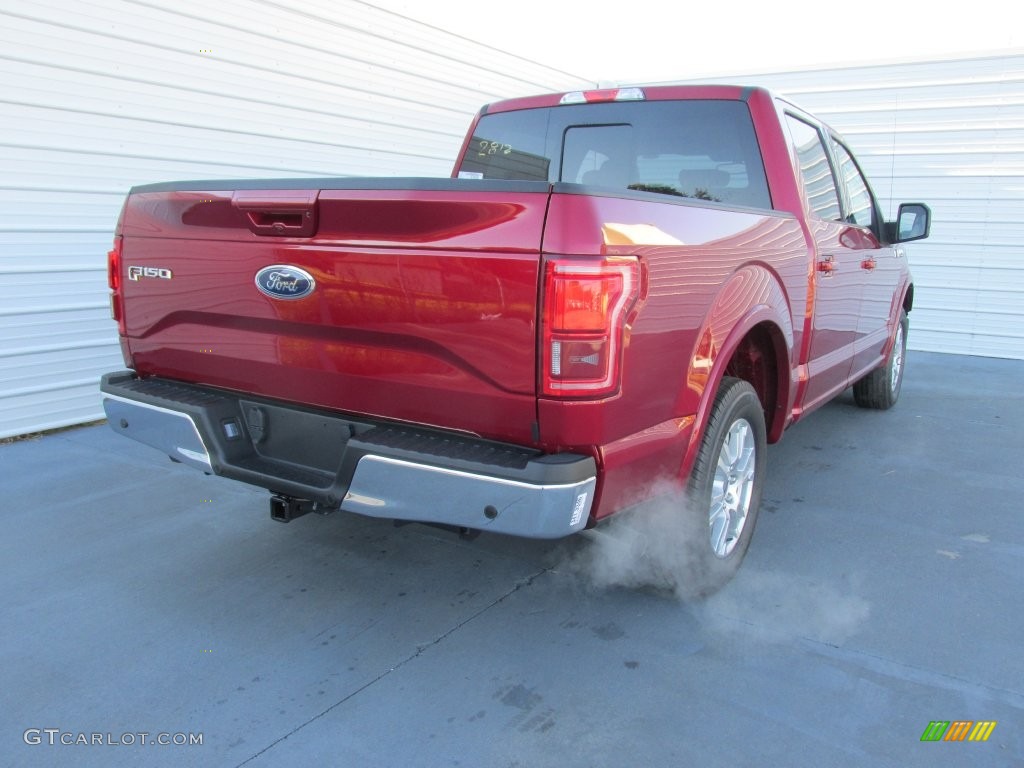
x=897 y=358
x=732 y=487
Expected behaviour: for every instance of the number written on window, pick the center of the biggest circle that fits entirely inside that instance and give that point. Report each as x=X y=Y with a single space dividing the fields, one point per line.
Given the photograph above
x=485 y=148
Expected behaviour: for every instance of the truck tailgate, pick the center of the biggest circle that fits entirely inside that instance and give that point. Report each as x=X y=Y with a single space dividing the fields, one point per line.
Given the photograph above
x=422 y=305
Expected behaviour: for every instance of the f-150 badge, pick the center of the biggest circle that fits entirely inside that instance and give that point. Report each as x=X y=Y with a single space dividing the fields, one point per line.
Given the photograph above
x=280 y=281
x=137 y=273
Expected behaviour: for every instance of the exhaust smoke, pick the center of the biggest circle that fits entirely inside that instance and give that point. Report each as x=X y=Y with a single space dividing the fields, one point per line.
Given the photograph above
x=654 y=548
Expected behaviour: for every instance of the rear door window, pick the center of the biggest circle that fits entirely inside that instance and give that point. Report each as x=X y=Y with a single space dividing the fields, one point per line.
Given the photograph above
x=816 y=170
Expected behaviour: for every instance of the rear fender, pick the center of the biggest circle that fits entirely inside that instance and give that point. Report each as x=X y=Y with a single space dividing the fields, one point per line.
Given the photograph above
x=752 y=297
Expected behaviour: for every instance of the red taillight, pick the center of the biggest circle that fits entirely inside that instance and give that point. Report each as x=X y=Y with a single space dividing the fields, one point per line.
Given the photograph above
x=585 y=309
x=114 y=281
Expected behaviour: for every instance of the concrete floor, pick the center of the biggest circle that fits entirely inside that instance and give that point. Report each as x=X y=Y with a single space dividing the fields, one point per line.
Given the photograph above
x=884 y=589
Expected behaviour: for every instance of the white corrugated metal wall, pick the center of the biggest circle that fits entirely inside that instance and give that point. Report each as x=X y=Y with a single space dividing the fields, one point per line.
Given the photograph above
x=96 y=96
x=949 y=133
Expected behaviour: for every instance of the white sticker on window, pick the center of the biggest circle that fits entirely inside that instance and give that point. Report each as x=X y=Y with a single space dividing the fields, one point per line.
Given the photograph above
x=470 y=175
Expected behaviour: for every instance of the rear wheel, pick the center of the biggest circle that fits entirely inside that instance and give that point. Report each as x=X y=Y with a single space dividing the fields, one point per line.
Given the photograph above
x=725 y=486
x=880 y=389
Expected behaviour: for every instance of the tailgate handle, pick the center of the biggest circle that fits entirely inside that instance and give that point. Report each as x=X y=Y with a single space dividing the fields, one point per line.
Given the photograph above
x=278 y=213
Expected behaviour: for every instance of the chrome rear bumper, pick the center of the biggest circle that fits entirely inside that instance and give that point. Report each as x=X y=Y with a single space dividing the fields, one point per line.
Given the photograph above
x=359 y=466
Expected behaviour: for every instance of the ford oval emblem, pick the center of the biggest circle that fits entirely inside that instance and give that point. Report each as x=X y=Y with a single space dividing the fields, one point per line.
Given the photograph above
x=280 y=281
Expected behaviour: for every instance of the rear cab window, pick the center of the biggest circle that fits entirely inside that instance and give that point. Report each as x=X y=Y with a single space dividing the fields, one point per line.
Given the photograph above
x=698 y=149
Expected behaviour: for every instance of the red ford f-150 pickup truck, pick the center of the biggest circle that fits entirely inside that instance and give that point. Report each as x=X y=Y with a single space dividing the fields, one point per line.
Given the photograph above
x=618 y=292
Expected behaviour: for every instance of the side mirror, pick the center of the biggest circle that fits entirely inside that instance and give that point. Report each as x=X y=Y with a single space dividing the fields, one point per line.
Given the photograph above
x=913 y=222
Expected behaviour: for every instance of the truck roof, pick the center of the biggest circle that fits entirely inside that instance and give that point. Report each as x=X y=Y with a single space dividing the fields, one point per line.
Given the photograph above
x=627 y=93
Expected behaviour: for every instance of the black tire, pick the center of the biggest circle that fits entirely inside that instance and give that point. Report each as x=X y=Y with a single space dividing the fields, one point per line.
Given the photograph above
x=880 y=389
x=718 y=540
